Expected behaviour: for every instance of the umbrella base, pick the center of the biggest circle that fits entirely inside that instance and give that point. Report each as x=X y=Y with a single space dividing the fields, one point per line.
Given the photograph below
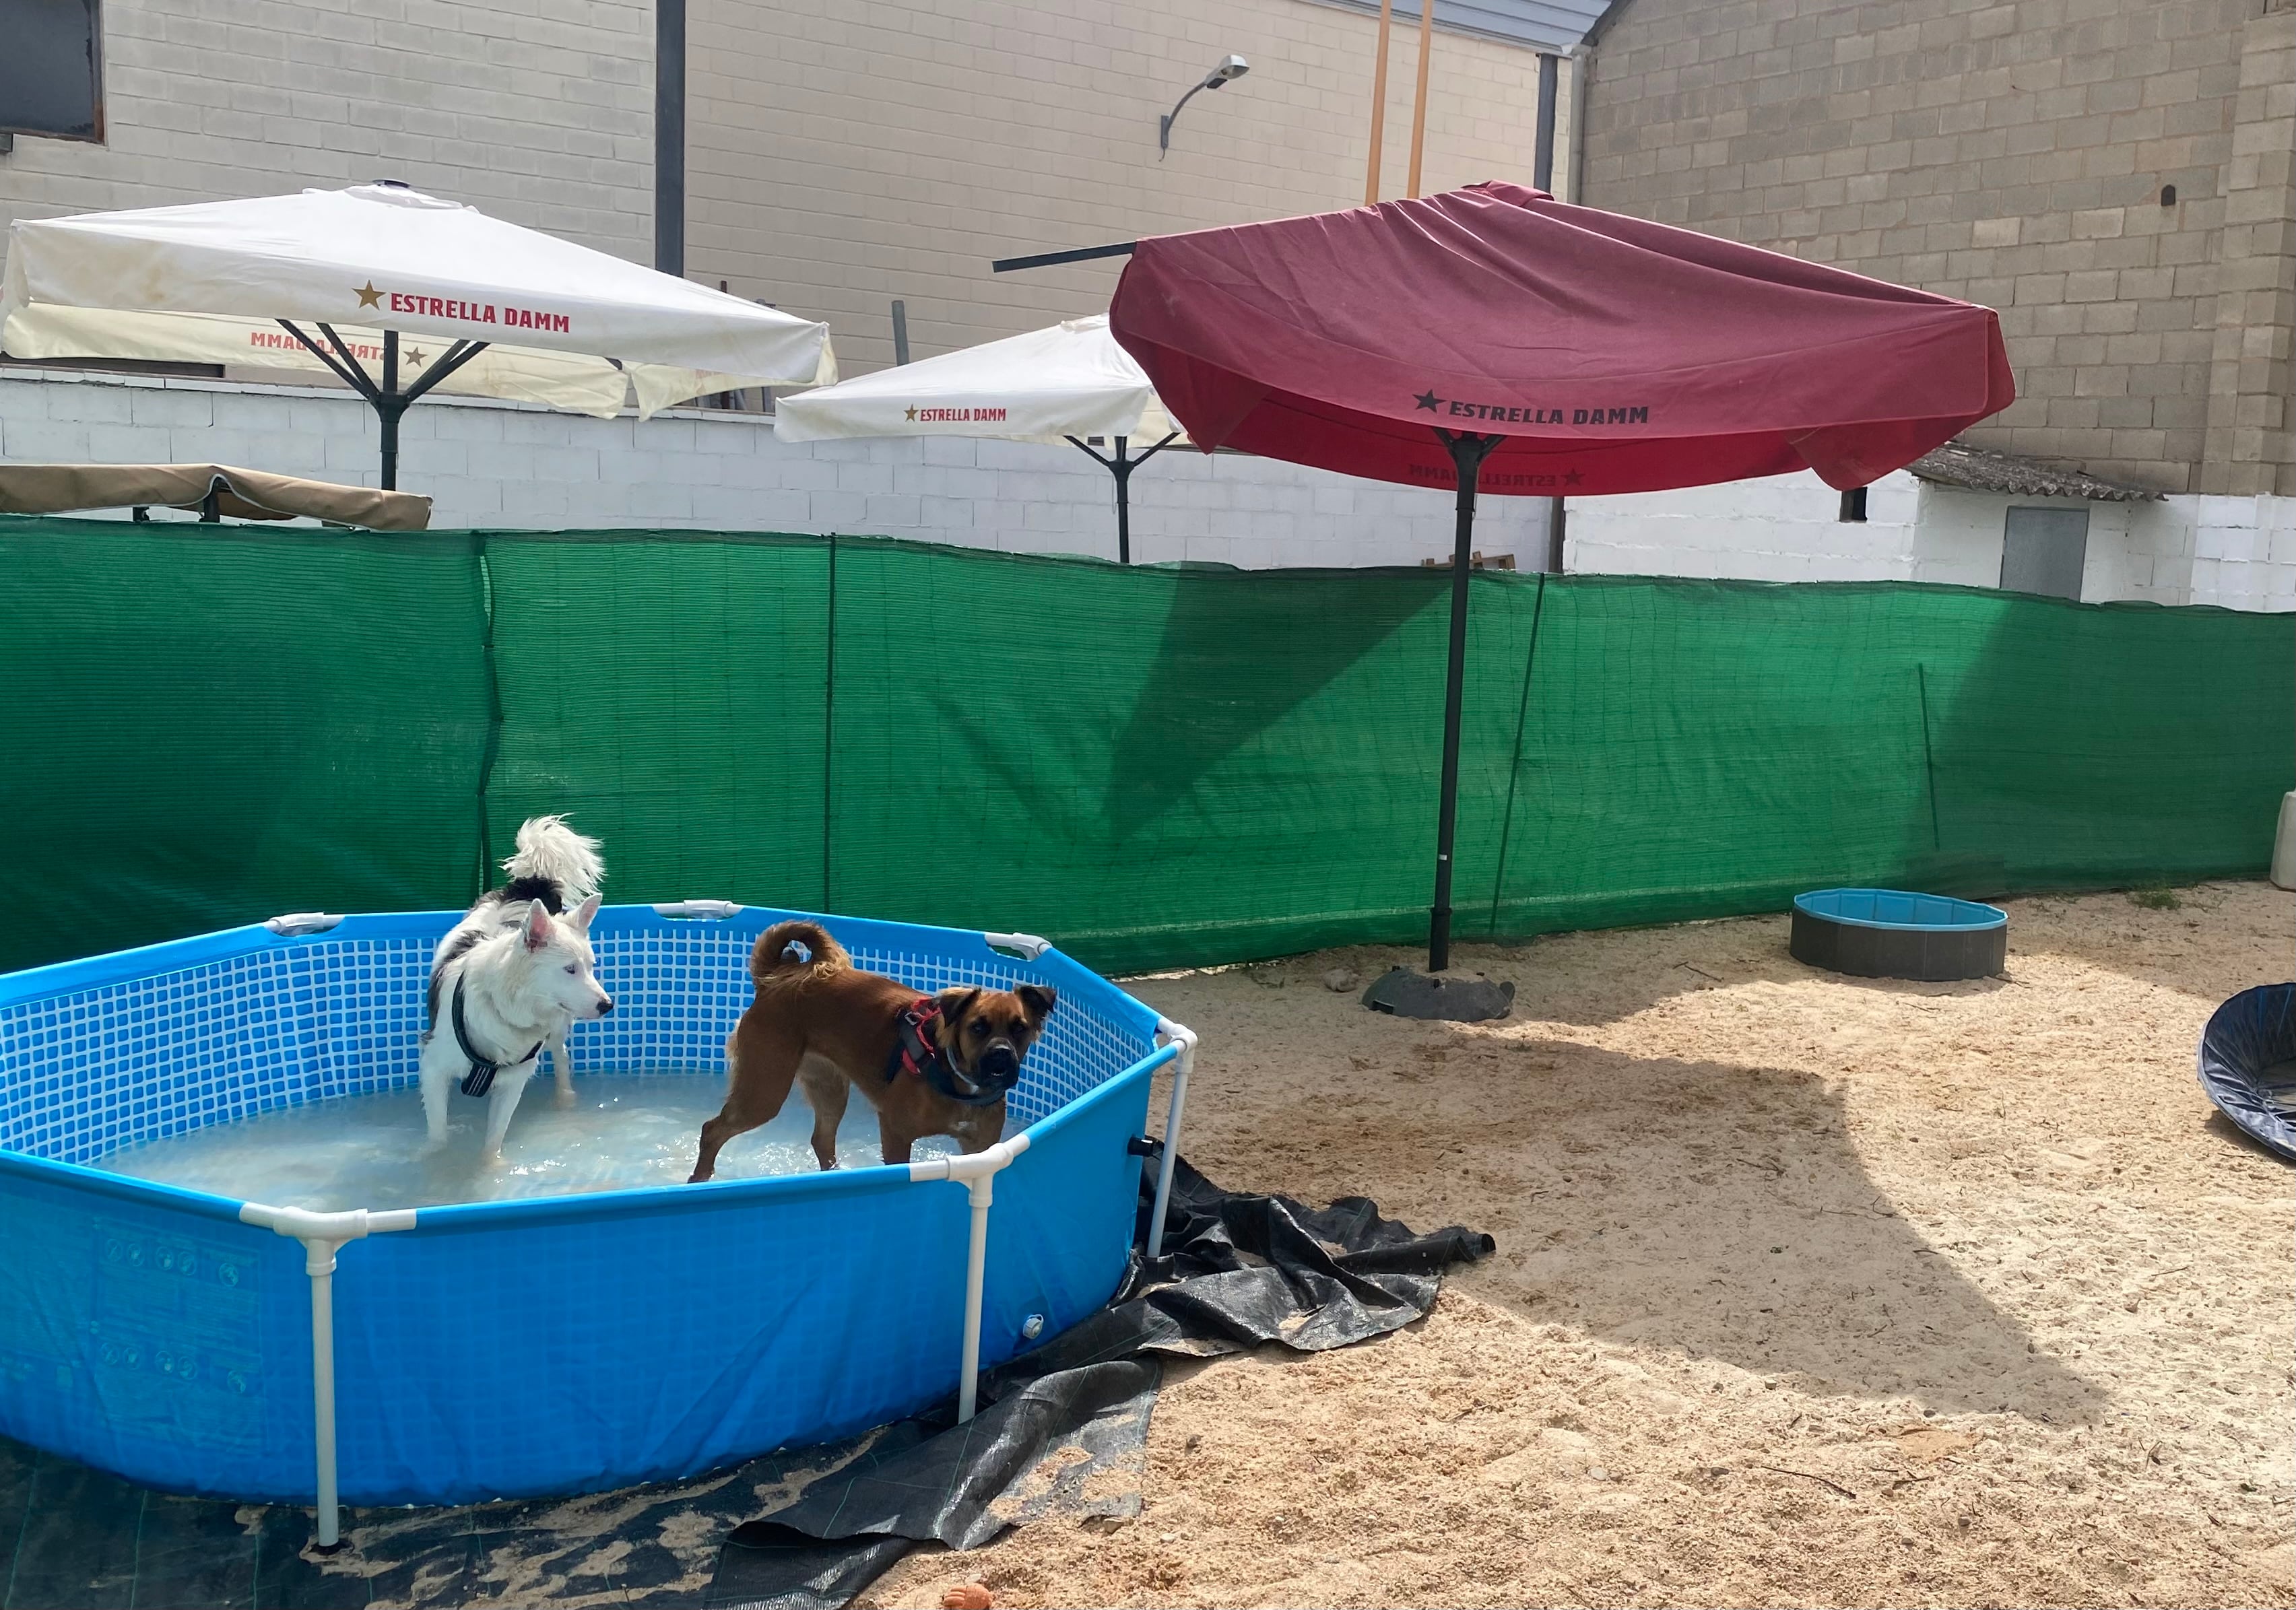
x=1407 y=993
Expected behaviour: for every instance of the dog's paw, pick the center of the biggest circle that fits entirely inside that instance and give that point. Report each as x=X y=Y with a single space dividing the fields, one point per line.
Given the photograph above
x=564 y=1099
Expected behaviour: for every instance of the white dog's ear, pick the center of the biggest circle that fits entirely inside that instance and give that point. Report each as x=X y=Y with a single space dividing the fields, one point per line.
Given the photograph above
x=537 y=931
x=584 y=913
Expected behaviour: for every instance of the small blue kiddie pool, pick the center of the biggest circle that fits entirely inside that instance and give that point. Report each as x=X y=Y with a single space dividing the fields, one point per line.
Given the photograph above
x=198 y=1341
x=1890 y=933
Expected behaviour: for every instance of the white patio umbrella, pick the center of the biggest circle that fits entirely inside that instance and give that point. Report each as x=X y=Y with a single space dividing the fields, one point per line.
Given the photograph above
x=371 y=271
x=1070 y=382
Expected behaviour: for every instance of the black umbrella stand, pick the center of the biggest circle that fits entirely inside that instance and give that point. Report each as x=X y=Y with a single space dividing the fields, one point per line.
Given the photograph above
x=1121 y=467
x=387 y=399
x=1468 y=450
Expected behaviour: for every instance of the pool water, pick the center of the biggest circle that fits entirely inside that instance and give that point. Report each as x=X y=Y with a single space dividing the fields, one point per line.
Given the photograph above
x=625 y=1132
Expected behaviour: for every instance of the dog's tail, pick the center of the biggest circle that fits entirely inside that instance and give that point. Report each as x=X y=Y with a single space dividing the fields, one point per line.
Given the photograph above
x=547 y=848
x=798 y=949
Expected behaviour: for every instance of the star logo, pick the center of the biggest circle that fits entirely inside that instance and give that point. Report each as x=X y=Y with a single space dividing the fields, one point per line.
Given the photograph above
x=368 y=296
x=415 y=355
x=1572 y=478
x=913 y=414
x=1428 y=399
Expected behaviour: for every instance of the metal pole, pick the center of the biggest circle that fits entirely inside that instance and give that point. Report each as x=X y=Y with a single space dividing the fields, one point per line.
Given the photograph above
x=979 y=1171
x=1419 y=106
x=1542 y=156
x=900 y=331
x=388 y=409
x=1467 y=453
x=1122 y=470
x=319 y=1263
x=669 y=136
x=321 y=1235
x=1378 y=104
x=982 y=1190
x=1183 y=1066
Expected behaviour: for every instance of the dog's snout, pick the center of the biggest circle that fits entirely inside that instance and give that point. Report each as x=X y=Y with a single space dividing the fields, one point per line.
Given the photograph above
x=999 y=1060
x=605 y=1005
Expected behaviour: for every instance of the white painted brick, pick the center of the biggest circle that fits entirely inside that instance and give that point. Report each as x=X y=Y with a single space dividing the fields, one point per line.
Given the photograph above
x=36 y=441
x=495 y=464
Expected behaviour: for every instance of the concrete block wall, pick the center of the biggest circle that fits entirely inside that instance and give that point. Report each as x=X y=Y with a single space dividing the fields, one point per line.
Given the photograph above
x=2244 y=552
x=542 y=114
x=2014 y=155
x=489 y=463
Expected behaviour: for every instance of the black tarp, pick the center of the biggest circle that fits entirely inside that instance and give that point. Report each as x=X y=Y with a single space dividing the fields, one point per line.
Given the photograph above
x=1063 y=1430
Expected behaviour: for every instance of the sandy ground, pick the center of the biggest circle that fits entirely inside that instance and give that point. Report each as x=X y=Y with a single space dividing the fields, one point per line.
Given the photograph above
x=1810 y=1291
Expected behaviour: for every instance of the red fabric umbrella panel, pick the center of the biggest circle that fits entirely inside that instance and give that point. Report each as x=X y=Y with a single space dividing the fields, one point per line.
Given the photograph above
x=1493 y=338
x=1610 y=355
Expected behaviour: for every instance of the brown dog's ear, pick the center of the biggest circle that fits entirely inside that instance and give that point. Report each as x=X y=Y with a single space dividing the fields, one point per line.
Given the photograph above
x=955 y=1003
x=1037 y=1000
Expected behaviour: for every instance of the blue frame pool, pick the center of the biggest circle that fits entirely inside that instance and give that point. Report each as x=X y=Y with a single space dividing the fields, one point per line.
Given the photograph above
x=515 y=1348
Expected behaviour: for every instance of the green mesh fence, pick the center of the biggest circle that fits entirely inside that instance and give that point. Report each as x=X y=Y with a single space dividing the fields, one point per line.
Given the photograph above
x=208 y=725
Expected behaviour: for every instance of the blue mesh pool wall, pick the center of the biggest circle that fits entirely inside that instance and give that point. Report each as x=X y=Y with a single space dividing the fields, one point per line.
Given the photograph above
x=516 y=1348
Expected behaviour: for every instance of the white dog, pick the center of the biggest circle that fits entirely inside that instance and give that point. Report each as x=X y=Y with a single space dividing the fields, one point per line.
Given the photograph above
x=510 y=979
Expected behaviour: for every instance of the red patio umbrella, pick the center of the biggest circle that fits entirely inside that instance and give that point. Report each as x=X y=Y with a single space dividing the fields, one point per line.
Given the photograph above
x=1493 y=337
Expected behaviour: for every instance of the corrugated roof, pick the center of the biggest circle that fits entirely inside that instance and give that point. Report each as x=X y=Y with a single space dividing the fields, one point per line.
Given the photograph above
x=1974 y=470
x=1545 y=25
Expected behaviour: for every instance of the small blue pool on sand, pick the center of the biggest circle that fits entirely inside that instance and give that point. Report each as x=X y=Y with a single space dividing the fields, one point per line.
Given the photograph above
x=1891 y=933
x=196 y=1342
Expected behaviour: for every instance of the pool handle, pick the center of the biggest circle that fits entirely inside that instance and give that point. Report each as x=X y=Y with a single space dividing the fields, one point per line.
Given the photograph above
x=321 y=1234
x=979 y=1171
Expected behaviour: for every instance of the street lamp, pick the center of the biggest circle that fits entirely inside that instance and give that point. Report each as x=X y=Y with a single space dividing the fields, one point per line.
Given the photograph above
x=1230 y=68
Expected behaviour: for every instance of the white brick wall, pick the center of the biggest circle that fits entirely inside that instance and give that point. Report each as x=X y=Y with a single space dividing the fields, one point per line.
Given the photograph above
x=487 y=463
x=539 y=111
x=2237 y=551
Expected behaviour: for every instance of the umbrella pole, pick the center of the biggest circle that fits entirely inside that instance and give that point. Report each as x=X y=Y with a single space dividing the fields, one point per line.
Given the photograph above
x=387 y=401
x=1122 y=469
x=1468 y=451
x=390 y=410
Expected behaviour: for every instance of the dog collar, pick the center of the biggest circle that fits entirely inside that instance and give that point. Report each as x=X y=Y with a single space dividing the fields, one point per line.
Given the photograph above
x=918 y=1052
x=482 y=1072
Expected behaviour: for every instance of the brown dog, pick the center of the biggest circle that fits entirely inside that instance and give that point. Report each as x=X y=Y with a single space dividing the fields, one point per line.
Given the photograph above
x=930 y=1065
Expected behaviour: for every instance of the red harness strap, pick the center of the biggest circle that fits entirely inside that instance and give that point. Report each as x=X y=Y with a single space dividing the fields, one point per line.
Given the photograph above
x=918 y=1050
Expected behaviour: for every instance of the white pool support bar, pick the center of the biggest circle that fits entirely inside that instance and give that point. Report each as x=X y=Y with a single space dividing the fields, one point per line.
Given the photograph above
x=1185 y=1064
x=321 y=1234
x=979 y=1171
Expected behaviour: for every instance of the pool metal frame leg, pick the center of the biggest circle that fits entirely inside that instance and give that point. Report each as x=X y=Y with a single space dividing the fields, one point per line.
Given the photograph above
x=979 y=1171
x=1181 y=1036
x=321 y=1235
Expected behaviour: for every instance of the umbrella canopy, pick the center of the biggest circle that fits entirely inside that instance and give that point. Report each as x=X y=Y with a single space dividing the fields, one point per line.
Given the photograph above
x=1070 y=382
x=362 y=267
x=1049 y=385
x=1607 y=353
x=1494 y=337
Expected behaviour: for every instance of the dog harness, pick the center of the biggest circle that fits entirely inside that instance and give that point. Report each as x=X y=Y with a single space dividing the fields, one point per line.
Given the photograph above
x=482 y=1072
x=918 y=1051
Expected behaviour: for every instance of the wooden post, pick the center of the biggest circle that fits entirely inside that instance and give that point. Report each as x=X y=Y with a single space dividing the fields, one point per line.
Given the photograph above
x=1419 y=106
x=1378 y=105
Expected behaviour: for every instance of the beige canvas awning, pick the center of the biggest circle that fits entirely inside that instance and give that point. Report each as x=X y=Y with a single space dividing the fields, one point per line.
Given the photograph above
x=252 y=495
